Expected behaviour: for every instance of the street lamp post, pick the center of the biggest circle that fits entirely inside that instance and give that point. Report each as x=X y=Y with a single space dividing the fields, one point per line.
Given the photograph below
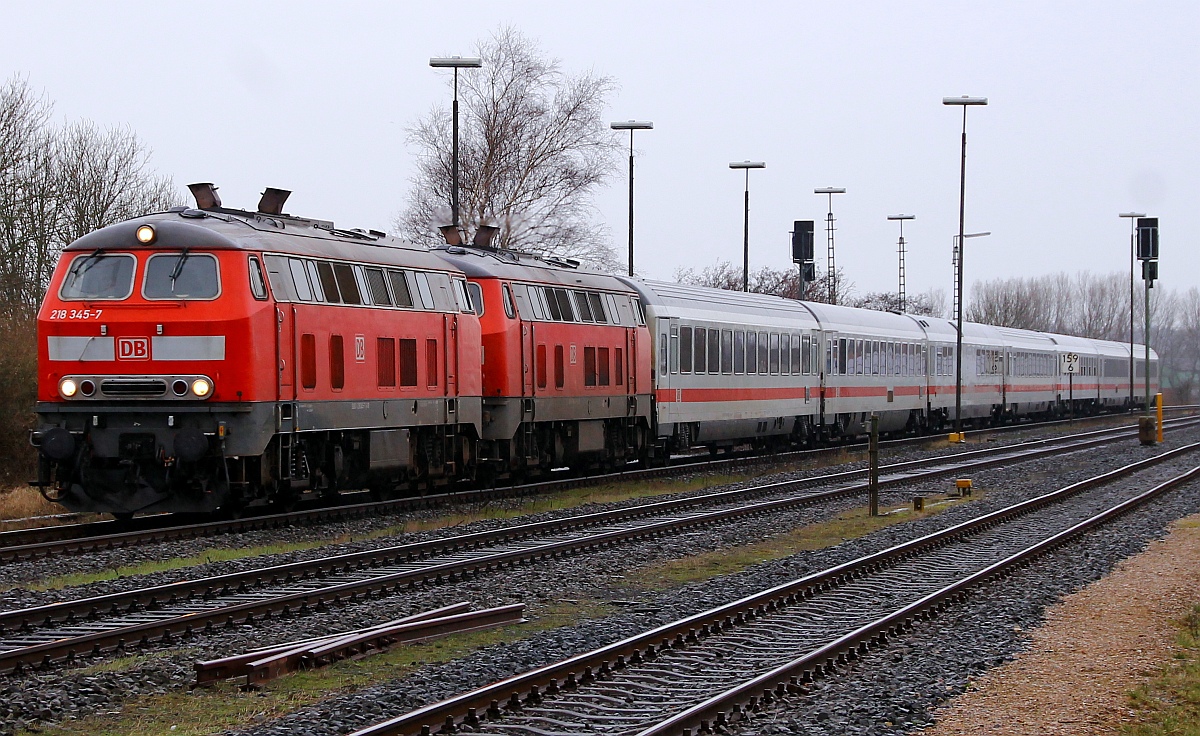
x=965 y=101
x=631 y=125
x=747 y=165
x=455 y=63
x=900 y=248
x=1133 y=218
x=830 y=262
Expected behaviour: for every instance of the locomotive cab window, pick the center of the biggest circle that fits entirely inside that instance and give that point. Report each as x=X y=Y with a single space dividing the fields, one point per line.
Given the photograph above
x=181 y=276
x=258 y=285
x=99 y=276
x=300 y=280
x=476 y=298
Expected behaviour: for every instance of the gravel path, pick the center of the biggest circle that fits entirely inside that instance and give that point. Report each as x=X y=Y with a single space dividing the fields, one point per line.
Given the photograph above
x=51 y=696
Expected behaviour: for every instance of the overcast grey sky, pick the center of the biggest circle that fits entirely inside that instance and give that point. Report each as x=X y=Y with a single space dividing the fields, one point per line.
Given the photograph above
x=1094 y=108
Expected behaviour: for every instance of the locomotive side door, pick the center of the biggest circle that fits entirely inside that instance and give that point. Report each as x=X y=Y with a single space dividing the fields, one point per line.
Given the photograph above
x=450 y=336
x=630 y=360
x=285 y=350
x=527 y=365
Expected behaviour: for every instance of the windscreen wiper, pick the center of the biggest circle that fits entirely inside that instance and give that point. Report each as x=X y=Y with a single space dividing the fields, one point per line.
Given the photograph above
x=83 y=264
x=183 y=256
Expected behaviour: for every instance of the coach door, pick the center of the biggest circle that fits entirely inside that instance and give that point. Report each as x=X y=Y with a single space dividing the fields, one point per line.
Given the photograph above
x=285 y=351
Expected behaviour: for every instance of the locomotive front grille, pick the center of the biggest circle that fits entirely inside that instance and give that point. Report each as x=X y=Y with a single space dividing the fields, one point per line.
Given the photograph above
x=133 y=387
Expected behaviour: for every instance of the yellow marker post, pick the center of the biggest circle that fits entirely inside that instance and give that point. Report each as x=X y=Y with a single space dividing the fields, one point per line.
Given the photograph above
x=1158 y=404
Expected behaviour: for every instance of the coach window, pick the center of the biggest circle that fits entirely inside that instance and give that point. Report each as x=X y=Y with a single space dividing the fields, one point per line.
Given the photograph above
x=585 y=309
x=506 y=295
x=714 y=350
x=785 y=354
x=751 y=352
x=400 y=289
x=727 y=351
x=308 y=361
x=805 y=359
x=603 y=367
x=699 y=347
x=385 y=356
x=258 y=285
x=337 y=363
x=662 y=350
x=589 y=366
x=377 y=285
x=685 y=349
x=774 y=354
x=408 y=362
x=764 y=352
x=300 y=279
x=674 y=348
x=431 y=362
x=597 y=307
x=560 y=374
x=795 y=352
x=739 y=352
x=329 y=285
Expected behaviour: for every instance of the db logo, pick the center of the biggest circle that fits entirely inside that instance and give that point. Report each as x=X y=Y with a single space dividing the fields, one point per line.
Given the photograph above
x=133 y=348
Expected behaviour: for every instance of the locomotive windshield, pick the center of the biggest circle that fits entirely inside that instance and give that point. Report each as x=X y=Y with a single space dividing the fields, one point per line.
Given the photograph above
x=99 y=275
x=181 y=276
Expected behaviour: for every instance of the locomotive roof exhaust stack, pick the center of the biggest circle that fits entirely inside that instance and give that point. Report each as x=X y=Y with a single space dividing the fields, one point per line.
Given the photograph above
x=206 y=195
x=272 y=201
x=452 y=234
x=484 y=235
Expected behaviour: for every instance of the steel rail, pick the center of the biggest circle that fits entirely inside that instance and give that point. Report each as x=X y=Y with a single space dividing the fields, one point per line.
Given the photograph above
x=154 y=597
x=48 y=541
x=527 y=687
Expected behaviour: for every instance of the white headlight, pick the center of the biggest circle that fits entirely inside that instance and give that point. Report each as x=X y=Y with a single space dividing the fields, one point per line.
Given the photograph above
x=146 y=234
x=201 y=387
x=68 y=388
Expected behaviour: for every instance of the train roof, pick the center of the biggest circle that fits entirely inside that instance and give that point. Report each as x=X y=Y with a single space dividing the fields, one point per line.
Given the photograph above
x=226 y=229
x=478 y=262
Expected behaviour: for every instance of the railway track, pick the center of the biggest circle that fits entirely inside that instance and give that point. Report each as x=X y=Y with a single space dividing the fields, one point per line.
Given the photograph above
x=67 y=630
x=80 y=538
x=713 y=670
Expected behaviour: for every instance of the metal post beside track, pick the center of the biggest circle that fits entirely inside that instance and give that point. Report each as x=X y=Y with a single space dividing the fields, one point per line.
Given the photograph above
x=873 y=473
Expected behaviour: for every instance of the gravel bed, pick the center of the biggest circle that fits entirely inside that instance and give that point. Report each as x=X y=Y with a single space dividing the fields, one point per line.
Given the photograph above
x=15 y=575
x=55 y=695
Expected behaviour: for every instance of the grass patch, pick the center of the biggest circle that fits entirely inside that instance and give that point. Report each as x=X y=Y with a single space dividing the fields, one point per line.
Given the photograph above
x=211 y=710
x=1169 y=705
x=22 y=502
x=849 y=524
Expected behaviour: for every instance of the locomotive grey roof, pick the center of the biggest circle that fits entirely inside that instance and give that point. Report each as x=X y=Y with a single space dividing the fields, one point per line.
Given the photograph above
x=238 y=230
x=514 y=266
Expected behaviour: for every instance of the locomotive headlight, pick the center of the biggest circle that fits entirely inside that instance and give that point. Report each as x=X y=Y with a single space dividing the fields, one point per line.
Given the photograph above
x=201 y=387
x=68 y=387
x=146 y=234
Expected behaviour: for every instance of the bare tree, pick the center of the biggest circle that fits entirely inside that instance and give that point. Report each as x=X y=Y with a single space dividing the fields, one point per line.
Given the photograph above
x=766 y=280
x=533 y=150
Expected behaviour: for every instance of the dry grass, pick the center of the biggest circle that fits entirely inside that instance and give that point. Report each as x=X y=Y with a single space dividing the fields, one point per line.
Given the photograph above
x=23 y=502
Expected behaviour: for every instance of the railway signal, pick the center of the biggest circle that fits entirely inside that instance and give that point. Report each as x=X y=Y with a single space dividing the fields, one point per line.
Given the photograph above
x=1147 y=253
x=803 y=253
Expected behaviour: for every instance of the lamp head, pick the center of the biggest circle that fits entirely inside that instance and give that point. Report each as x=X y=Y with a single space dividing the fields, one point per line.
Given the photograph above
x=632 y=125
x=460 y=62
x=964 y=100
x=748 y=165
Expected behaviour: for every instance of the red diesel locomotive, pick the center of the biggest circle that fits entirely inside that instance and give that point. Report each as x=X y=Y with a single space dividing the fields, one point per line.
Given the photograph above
x=208 y=358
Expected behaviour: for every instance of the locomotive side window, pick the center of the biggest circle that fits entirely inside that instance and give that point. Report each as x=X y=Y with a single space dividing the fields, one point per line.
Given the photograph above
x=363 y=289
x=337 y=363
x=619 y=366
x=308 y=361
x=589 y=366
x=541 y=365
x=99 y=275
x=378 y=286
x=614 y=315
x=329 y=284
x=423 y=290
x=443 y=299
x=181 y=276
x=564 y=305
x=314 y=278
x=385 y=348
x=347 y=286
x=408 y=362
x=739 y=352
x=477 y=298
x=431 y=363
x=560 y=375
x=400 y=289
x=463 y=296
x=280 y=277
x=300 y=280
x=509 y=310
x=603 y=367
x=597 y=307
x=258 y=285
x=637 y=311
x=551 y=302
x=585 y=309
x=685 y=349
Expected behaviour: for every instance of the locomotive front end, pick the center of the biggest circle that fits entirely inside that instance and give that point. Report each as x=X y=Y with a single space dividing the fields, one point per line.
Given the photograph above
x=146 y=369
